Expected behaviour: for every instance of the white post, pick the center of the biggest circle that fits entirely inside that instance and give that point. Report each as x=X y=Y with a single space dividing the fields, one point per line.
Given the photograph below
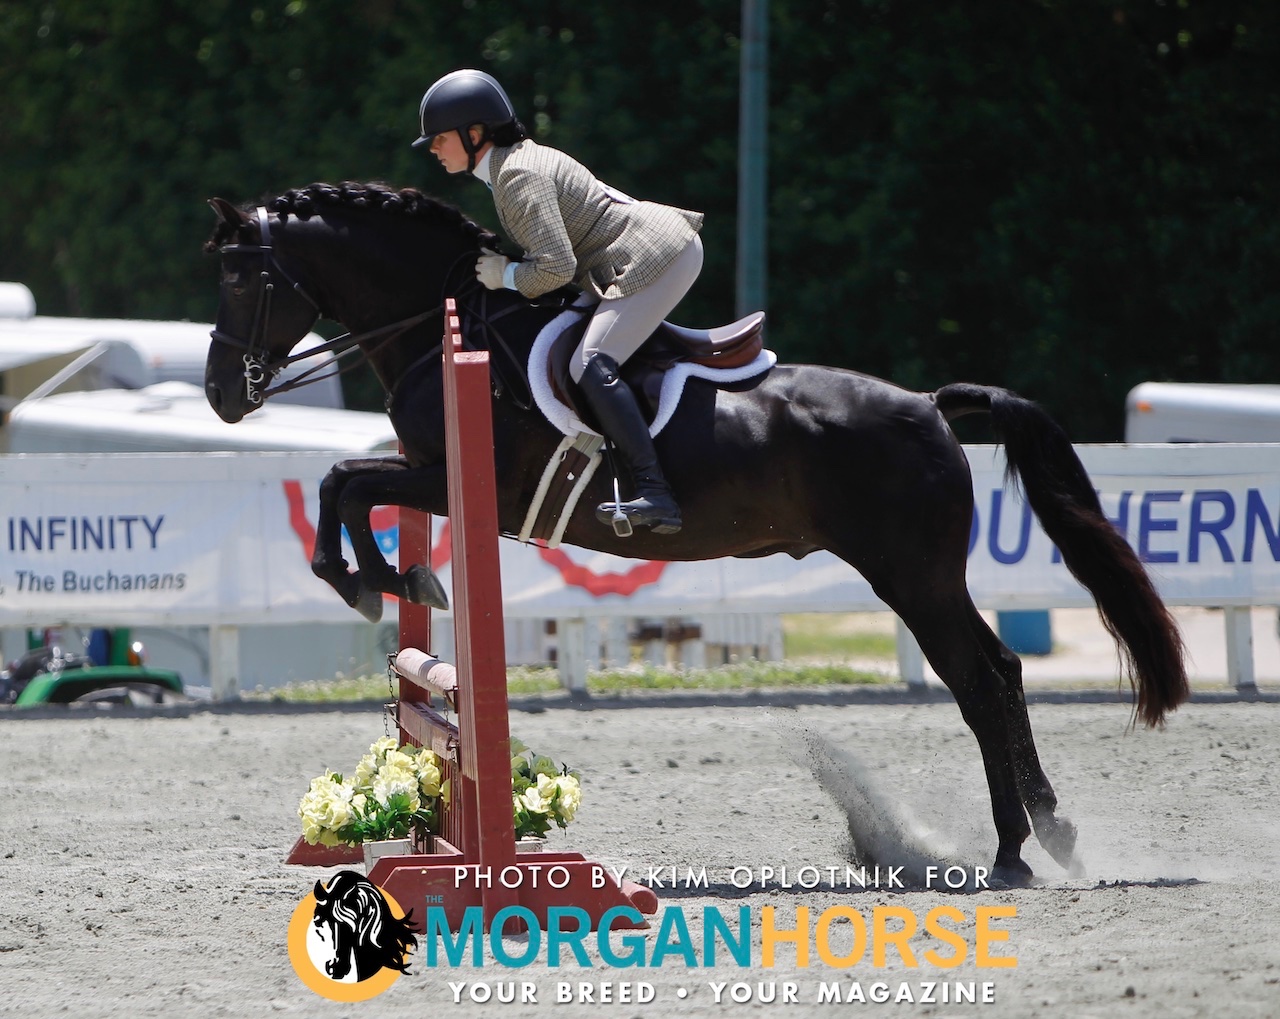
x=693 y=653
x=910 y=657
x=653 y=643
x=13 y=644
x=1238 y=620
x=617 y=643
x=773 y=650
x=571 y=654
x=224 y=662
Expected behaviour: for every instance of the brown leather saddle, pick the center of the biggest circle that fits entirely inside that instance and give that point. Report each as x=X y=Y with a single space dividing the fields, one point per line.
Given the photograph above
x=729 y=346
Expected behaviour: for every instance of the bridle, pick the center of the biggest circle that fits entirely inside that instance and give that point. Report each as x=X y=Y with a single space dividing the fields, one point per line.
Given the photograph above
x=259 y=368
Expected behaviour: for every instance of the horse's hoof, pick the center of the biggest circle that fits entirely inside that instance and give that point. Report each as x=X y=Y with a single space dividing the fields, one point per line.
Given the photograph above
x=1058 y=837
x=422 y=587
x=1075 y=869
x=1011 y=870
x=1012 y=877
x=369 y=604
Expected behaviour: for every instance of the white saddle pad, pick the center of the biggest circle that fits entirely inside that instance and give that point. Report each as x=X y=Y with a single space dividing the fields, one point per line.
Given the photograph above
x=563 y=417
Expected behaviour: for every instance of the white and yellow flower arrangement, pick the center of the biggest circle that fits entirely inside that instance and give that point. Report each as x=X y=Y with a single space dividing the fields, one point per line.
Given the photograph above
x=541 y=793
x=396 y=790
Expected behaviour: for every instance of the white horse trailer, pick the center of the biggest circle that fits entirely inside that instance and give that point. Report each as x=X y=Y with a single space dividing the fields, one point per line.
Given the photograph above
x=42 y=352
x=1202 y=412
x=1209 y=412
x=175 y=417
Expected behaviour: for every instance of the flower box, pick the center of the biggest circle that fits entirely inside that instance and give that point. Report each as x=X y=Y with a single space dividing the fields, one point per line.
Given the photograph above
x=374 y=851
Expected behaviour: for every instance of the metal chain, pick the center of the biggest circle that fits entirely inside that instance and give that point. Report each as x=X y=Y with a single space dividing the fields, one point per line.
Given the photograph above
x=391 y=710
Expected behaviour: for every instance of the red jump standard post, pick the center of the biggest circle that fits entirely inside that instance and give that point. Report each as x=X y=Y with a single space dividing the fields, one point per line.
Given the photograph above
x=474 y=862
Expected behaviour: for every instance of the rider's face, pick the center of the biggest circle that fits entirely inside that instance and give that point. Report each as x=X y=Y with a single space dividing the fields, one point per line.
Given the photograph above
x=447 y=147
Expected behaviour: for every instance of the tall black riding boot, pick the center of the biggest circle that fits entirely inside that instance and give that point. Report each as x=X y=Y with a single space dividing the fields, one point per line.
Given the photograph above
x=618 y=414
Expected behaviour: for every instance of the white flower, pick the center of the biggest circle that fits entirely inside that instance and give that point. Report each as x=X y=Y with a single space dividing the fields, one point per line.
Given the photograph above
x=533 y=801
x=562 y=794
x=400 y=760
x=365 y=770
x=570 y=797
x=396 y=781
x=429 y=775
x=325 y=809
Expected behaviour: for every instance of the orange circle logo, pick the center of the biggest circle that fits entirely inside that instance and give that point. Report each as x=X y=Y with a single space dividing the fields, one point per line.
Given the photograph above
x=349 y=940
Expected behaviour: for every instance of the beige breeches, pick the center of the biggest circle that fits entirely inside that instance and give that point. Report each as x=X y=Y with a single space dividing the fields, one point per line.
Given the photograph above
x=619 y=326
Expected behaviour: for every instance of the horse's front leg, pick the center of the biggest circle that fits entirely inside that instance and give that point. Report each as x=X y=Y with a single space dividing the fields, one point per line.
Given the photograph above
x=420 y=488
x=327 y=561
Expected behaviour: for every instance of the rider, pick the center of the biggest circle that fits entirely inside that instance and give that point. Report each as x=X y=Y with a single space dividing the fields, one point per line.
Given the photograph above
x=637 y=259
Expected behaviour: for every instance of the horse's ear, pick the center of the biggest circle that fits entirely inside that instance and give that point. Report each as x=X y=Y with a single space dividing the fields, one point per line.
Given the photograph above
x=322 y=893
x=228 y=213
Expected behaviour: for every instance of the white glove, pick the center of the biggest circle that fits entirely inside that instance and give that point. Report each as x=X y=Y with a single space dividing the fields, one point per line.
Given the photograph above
x=490 y=268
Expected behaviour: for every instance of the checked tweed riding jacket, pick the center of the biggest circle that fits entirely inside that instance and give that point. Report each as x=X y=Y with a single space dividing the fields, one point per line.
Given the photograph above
x=572 y=228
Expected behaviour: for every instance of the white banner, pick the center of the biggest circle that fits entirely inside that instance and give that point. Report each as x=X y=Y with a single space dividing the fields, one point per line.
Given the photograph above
x=1206 y=520
x=165 y=538
x=226 y=539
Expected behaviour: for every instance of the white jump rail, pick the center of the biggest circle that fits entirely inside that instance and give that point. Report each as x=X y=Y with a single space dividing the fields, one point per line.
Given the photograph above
x=439 y=677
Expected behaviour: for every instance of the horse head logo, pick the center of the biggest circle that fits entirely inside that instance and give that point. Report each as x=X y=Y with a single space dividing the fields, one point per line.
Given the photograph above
x=357 y=928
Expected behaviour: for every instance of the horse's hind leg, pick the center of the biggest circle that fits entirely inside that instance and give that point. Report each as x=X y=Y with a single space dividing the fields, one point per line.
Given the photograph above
x=1055 y=833
x=942 y=627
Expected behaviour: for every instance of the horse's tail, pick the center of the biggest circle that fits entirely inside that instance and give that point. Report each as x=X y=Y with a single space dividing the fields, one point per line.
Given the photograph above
x=1062 y=496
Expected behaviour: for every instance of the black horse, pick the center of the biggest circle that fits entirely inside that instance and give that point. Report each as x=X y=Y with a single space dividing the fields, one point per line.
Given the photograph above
x=782 y=463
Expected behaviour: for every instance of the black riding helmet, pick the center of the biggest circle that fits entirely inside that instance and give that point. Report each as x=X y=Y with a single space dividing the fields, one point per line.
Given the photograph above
x=459 y=100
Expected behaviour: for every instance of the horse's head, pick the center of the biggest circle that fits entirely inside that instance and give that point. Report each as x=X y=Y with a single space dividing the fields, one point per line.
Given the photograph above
x=262 y=312
x=376 y=259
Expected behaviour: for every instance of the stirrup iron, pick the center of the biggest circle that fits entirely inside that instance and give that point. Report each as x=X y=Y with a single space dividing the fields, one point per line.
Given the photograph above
x=621 y=522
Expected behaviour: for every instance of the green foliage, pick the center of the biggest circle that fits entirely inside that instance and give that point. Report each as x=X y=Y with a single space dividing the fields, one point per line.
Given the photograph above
x=1065 y=199
x=528 y=681
x=839 y=636
x=746 y=676
x=395 y=819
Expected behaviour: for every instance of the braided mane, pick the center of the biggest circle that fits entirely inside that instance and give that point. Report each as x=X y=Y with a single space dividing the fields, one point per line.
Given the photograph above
x=311 y=200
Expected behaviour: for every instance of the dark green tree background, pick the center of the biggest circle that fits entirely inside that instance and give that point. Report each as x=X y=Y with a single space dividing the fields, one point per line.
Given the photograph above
x=1062 y=198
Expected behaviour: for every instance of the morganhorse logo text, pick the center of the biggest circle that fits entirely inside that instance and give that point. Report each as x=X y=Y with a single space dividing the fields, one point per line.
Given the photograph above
x=349 y=940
